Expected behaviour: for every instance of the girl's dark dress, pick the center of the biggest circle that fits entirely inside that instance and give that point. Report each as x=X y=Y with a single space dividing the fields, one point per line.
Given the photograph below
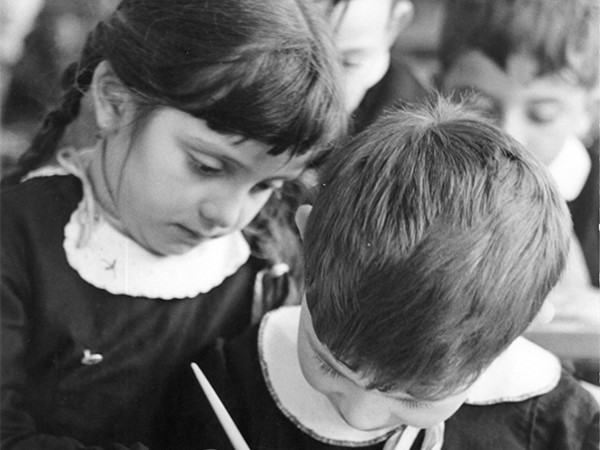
x=81 y=366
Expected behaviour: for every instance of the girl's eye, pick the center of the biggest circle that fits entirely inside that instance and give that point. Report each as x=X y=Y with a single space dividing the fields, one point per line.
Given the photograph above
x=273 y=185
x=326 y=369
x=204 y=167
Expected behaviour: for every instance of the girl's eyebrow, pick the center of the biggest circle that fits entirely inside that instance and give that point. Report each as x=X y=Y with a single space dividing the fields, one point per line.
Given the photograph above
x=199 y=145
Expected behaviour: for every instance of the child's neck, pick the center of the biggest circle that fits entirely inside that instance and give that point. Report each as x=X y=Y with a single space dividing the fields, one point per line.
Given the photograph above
x=104 y=196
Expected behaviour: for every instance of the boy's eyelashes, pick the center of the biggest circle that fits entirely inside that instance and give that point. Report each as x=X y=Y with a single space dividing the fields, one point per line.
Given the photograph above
x=326 y=369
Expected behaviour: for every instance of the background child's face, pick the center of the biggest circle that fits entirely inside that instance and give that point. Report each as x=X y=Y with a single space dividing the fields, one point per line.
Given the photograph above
x=539 y=112
x=176 y=183
x=364 y=33
x=362 y=408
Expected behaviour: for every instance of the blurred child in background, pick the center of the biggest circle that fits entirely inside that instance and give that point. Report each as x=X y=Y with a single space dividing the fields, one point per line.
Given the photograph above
x=375 y=77
x=535 y=66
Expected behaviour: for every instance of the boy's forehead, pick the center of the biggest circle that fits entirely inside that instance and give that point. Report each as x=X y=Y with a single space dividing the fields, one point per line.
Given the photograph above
x=474 y=69
x=309 y=338
x=473 y=65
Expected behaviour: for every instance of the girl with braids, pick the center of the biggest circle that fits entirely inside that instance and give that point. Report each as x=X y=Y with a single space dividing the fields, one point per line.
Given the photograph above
x=129 y=257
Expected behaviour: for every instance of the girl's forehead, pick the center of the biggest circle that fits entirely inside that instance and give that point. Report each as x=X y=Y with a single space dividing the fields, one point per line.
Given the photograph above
x=196 y=134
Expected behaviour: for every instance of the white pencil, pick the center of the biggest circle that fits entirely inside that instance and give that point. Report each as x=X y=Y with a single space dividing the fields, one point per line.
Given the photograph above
x=232 y=431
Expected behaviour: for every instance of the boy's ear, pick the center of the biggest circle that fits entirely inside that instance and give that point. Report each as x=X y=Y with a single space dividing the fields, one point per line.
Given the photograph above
x=110 y=98
x=402 y=15
x=544 y=315
x=302 y=217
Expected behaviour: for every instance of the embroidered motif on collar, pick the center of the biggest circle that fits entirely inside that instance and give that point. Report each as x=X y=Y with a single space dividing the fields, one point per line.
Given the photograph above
x=109 y=260
x=307 y=408
x=117 y=264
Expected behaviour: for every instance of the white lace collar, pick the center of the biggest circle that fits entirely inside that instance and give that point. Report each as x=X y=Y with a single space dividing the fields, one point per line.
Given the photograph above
x=524 y=370
x=109 y=260
x=117 y=264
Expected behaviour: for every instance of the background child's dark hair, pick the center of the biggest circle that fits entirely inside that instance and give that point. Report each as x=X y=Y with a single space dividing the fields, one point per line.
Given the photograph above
x=557 y=34
x=264 y=70
x=432 y=245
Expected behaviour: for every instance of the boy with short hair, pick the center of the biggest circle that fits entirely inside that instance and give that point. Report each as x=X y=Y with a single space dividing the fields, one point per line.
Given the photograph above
x=375 y=76
x=429 y=250
x=535 y=64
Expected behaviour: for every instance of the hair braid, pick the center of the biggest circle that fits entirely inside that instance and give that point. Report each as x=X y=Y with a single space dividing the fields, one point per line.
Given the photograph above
x=75 y=81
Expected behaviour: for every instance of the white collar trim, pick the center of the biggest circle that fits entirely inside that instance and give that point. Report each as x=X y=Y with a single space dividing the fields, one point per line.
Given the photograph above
x=117 y=264
x=109 y=260
x=523 y=371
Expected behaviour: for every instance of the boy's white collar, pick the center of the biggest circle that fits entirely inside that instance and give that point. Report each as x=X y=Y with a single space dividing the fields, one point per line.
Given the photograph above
x=523 y=371
x=571 y=168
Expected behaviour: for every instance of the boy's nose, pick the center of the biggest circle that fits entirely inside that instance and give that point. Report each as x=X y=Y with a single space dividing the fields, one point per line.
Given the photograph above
x=357 y=411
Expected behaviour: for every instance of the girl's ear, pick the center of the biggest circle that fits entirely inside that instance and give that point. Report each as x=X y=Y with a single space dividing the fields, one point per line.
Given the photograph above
x=110 y=98
x=301 y=218
x=401 y=16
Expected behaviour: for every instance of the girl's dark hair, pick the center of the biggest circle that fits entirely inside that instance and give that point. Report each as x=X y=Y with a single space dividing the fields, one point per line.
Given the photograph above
x=263 y=69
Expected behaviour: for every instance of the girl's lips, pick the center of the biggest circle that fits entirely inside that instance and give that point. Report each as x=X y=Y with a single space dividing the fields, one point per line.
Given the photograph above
x=189 y=234
x=197 y=236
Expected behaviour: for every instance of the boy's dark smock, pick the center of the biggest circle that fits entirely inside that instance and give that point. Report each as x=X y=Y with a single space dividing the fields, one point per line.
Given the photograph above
x=567 y=417
x=50 y=317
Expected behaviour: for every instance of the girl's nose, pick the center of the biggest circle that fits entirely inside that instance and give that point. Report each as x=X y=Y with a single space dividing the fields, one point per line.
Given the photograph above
x=231 y=211
x=222 y=213
x=357 y=410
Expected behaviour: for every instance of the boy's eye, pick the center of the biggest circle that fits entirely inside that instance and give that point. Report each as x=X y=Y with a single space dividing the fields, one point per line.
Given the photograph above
x=348 y=64
x=544 y=113
x=414 y=404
